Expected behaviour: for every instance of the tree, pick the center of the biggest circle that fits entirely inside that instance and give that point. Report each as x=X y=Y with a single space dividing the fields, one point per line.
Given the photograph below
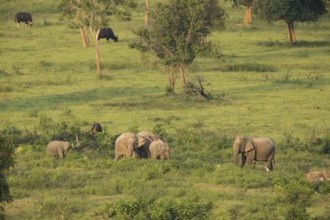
x=94 y=14
x=248 y=11
x=147 y=15
x=290 y=11
x=178 y=33
x=8 y=142
x=72 y=13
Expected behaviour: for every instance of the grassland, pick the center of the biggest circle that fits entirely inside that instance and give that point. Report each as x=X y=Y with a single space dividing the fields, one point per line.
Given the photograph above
x=260 y=86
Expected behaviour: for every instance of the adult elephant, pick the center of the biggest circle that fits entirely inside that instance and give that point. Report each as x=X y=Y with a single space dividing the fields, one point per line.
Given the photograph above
x=254 y=149
x=125 y=145
x=144 y=140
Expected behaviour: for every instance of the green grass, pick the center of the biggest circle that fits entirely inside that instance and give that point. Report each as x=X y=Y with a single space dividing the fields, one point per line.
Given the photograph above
x=260 y=86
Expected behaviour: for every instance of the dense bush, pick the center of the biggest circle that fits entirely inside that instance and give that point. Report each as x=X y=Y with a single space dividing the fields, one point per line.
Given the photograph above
x=162 y=208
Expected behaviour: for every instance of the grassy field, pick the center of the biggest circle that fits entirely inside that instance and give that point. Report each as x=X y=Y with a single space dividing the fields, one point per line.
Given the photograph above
x=259 y=86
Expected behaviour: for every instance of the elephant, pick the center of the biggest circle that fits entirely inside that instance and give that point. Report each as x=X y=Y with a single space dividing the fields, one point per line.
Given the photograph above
x=126 y=145
x=144 y=140
x=254 y=148
x=317 y=177
x=58 y=148
x=96 y=127
x=159 y=150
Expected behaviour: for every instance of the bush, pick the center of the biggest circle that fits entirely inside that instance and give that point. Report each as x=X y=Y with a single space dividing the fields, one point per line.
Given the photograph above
x=163 y=208
x=293 y=197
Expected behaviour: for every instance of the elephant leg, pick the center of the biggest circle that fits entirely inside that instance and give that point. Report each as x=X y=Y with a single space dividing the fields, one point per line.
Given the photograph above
x=250 y=157
x=60 y=154
x=243 y=160
x=269 y=162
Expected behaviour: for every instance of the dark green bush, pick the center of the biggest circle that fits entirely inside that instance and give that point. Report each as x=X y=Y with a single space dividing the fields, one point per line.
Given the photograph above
x=163 y=208
x=293 y=198
x=251 y=67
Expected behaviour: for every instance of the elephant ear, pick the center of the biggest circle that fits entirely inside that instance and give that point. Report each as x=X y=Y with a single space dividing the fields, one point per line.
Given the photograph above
x=141 y=141
x=249 y=146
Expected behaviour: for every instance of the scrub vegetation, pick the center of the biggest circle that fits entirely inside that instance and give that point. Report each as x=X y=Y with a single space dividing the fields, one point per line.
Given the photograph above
x=257 y=84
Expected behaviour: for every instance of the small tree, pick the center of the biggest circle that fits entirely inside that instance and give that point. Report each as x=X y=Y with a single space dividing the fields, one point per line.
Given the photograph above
x=8 y=141
x=94 y=14
x=290 y=11
x=248 y=11
x=71 y=12
x=178 y=33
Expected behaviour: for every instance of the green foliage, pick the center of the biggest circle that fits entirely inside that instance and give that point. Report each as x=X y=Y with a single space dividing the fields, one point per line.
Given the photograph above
x=291 y=11
x=163 y=208
x=294 y=197
x=251 y=67
x=8 y=142
x=93 y=13
x=178 y=32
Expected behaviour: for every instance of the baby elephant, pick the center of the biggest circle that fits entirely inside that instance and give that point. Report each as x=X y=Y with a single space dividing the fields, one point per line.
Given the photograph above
x=159 y=150
x=317 y=177
x=57 y=148
x=96 y=127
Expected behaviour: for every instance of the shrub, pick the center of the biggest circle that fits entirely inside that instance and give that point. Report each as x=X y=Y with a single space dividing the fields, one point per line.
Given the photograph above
x=8 y=143
x=293 y=198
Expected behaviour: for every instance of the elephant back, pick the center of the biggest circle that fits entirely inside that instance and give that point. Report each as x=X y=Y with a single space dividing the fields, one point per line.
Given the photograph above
x=149 y=135
x=126 y=138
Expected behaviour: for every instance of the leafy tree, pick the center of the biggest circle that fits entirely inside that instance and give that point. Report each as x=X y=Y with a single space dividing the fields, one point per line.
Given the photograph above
x=248 y=9
x=8 y=141
x=177 y=33
x=94 y=14
x=72 y=13
x=290 y=11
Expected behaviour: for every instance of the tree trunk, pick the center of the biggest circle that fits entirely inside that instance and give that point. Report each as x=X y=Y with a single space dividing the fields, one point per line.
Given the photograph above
x=248 y=15
x=171 y=78
x=97 y=53
x=183 y=75
x=146 y=17
x=291 y=32
x=84 y=37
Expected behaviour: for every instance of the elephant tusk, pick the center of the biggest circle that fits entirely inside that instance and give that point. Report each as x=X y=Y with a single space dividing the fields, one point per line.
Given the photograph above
x=266 y=168
x=84 y=157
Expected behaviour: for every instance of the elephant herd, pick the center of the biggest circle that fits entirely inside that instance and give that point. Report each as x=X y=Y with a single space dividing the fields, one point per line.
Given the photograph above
x=142 y=145
x=148 y=145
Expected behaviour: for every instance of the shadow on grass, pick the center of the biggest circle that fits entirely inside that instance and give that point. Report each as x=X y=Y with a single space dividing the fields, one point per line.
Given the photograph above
x=286 y=44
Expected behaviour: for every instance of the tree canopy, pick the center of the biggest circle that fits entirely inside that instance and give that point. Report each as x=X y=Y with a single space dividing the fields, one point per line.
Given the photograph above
x=178 y=32
x=290 y=11
x=93 y=14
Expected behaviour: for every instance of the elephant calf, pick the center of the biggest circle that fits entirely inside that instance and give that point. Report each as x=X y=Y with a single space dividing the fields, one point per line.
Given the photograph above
x=96 y=127
x=57 y=148
x=317 y=177
x=254 y=148
x=159 y=150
